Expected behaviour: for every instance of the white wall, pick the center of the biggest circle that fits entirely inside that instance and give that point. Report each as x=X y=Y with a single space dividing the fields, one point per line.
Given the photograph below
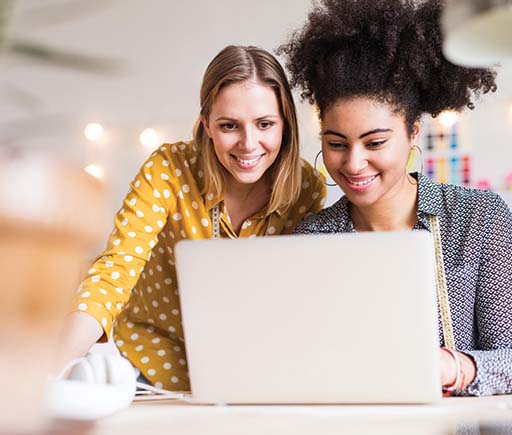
x=165 y=46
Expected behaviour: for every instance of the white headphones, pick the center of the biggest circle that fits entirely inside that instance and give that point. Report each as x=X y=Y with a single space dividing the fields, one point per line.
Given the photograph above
x=97 y=368
x=97 y=385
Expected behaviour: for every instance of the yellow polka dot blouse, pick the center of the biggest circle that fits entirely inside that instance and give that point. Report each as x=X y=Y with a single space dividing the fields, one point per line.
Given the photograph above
x=133 y=282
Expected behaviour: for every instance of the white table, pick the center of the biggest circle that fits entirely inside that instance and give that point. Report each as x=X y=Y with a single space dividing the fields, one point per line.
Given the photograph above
x=172 y=417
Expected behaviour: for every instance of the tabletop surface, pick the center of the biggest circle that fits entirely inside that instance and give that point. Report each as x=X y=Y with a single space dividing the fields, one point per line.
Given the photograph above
x=460 y=416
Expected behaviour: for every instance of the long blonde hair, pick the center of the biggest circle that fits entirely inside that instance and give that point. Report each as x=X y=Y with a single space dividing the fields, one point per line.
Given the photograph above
x=235 y=64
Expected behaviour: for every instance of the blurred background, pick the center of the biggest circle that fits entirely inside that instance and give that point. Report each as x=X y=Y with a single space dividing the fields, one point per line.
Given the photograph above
x=103 y=82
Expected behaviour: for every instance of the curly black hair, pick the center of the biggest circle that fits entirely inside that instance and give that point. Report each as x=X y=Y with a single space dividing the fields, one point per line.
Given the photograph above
x=384 y=49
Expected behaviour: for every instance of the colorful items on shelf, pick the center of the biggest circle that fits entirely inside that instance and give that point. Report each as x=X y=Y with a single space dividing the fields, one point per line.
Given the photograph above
x=445 y=160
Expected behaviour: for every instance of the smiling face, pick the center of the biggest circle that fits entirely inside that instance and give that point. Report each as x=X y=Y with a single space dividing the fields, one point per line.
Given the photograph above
x=365 y=148
x=246 y=128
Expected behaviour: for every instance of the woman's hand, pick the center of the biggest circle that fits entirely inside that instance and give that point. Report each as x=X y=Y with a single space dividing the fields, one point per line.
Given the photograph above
x=449 y=369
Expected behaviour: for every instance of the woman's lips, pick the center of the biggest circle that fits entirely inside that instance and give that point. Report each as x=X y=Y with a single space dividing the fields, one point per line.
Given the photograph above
x=247 y=162
x=360 y=183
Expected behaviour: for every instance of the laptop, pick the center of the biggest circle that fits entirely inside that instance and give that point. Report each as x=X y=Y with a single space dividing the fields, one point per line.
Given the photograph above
x=320 y=319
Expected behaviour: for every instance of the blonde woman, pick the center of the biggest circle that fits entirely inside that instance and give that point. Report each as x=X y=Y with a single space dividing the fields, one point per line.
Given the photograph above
x=241 y=176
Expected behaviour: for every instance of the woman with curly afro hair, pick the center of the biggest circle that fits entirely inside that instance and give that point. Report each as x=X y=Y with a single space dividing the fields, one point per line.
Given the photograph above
x=373 y=68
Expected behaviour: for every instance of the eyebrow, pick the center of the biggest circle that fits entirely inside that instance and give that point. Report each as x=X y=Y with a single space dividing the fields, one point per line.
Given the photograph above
x=377 y=130
x=227 y=118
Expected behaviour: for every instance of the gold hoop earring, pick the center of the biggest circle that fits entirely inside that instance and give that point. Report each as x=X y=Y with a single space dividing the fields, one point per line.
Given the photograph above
x=317 y=172
x=420 y=151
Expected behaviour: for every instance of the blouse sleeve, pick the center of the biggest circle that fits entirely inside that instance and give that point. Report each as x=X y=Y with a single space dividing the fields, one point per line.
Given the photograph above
x=493 y=307
x=108 y=284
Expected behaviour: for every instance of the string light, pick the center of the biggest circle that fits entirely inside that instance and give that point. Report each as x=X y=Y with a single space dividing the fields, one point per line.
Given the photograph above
x=93 y=131
x=149 y=138
x=95 y=170
x=448 y=118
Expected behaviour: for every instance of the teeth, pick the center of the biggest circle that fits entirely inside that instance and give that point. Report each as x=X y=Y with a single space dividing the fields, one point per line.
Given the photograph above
x=248 y=162
x=362 y=183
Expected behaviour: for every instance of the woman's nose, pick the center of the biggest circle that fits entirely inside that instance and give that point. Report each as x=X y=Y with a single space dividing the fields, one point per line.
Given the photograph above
x=355 y=160
x=248 y=139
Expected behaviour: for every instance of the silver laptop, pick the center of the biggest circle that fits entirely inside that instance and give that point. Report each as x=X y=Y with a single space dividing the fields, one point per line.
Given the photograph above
x=345 y=318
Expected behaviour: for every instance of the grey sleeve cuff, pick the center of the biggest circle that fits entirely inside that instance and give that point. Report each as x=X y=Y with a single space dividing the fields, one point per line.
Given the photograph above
x=493 y=373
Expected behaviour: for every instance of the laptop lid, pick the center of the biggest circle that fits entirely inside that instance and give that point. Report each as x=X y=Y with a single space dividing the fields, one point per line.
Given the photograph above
x=339 y=318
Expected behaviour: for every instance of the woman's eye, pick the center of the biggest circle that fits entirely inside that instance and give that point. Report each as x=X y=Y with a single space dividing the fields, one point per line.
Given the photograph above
x=375 y=143
x=228 y=126
x=337 y=145
x=266 y=124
